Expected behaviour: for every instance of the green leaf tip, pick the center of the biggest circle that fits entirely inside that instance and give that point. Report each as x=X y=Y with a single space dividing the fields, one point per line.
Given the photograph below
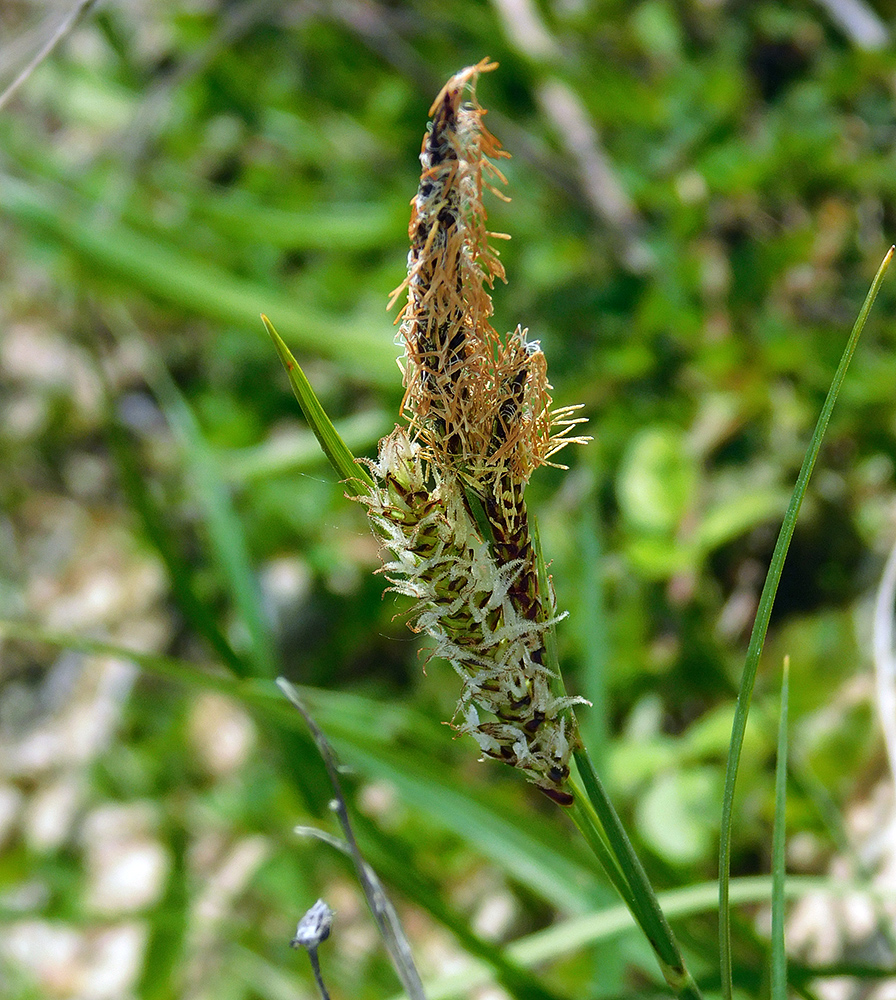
x=353 y=475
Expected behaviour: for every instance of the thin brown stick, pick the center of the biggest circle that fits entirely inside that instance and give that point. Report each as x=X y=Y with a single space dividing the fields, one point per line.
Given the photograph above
x=64 y=29
x=383 y=911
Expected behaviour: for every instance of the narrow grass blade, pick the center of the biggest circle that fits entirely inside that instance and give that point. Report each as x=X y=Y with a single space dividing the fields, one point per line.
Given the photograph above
x=779 y=861
x=169 y=667
x=339 y=226
x=570 y=937
x=640 y=897
x=157 y=527
x=590 y=620
x=600 y=825
x=183 y=279
x=225 y=529
x=808 y=784
x=585 y=818
x=760 y=627
x=168 y=922
x=355 y=476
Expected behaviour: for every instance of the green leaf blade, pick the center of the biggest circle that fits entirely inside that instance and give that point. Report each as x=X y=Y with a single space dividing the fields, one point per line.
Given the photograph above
x=356 y=479
x=760 y=627
x=779 y=864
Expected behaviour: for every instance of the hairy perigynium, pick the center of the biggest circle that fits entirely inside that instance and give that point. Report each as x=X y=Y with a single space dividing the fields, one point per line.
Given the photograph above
x=479 y=422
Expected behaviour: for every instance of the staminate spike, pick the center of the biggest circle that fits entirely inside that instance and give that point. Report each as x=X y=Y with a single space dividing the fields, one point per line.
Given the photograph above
x=479 y=415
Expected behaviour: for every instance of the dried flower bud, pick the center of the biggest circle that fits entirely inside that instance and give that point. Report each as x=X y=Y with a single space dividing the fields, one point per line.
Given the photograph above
x=314 y=927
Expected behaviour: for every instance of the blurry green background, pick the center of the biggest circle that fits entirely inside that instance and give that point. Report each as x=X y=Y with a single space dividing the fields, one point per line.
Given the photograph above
x=701 y=193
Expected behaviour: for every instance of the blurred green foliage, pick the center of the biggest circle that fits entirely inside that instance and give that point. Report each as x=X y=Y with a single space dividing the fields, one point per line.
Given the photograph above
x=701 y=194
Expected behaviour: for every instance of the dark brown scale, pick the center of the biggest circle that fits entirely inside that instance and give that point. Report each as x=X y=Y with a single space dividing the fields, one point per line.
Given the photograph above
x=559 y=796
x=558 y=773
x=512 y=542
x=532 y=725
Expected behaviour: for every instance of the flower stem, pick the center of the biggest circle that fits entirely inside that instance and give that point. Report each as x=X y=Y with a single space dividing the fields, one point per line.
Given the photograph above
x=625 y=866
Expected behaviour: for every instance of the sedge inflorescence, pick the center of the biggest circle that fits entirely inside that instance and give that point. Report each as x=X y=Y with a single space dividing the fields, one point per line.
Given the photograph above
x=448 y=500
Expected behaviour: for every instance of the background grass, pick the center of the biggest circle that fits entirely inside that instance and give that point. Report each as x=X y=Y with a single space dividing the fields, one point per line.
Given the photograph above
x=700 y=196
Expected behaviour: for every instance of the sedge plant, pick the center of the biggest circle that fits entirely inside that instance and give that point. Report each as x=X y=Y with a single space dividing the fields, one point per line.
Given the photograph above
x=446 y=495
x=446 y=498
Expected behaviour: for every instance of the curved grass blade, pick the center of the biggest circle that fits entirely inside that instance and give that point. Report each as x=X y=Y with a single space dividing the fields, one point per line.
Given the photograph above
x=368 y=734
x=600 y=825
x=571 y=936
x=157 y=528
x=355 y=476
x=390 y=854
x=225 y=529
x=779 y=864
x=180 y=671
x=640 y=897
x=760 y=627
x=181 y=278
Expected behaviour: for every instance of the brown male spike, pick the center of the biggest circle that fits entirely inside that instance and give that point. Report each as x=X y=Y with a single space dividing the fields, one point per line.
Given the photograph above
x=479 y=423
